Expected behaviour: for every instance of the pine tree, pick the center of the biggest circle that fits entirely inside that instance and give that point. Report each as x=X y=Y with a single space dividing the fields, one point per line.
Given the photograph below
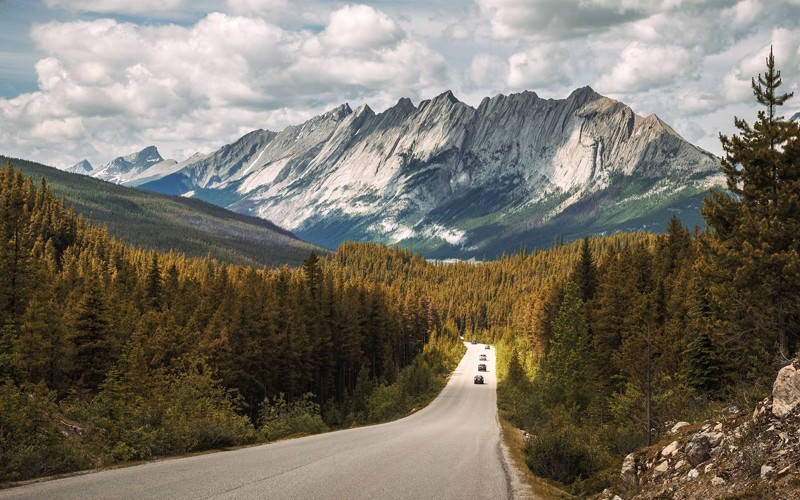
x=585 y=274
x=753 y=253
x=90 y=333
x=567 y=367
x=313 y=275
x=153 y=285
x=701 y=357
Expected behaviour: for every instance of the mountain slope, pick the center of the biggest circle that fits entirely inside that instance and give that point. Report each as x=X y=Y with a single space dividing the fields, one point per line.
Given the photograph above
x=82 y=167
x=161 y=222
x=125 y=169
x=453 y=180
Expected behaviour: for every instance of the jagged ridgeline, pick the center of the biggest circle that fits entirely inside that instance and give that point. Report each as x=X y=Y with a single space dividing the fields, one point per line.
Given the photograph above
x=447 y=178
x=166 y=223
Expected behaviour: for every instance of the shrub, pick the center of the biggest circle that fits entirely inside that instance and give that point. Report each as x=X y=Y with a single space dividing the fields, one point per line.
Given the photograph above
x=559 y=456
x=31 y=442
x=385 y=403
x=201 y=415
x=557 y=449
x=280 y=418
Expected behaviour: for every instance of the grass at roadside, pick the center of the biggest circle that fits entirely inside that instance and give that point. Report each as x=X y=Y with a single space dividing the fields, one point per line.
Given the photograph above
x=534 y=486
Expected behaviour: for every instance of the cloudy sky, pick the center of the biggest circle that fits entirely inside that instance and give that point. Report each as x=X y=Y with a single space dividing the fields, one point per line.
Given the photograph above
x=96 y=79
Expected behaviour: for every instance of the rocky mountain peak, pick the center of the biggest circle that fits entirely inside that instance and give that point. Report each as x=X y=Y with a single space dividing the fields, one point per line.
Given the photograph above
x=82 y=167
x=405 y=103
x=399 y=111
x=364 y=110
x=448 y=95
x=338 y=113
x=584 y=95
x=125 y=168
x=148 y=155
x=444 y=101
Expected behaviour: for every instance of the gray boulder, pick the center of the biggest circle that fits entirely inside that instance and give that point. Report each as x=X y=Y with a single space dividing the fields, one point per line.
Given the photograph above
x=698 y=450
x=630 y=470
x=786 y=390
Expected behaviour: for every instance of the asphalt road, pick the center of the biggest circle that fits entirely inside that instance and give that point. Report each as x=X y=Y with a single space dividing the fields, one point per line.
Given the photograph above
x=449 y=450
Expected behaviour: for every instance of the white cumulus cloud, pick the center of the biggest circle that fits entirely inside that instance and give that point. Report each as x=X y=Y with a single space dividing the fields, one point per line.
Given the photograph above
x=643 y=66
x=113 y=84
x=361 y=27
x=541 y=67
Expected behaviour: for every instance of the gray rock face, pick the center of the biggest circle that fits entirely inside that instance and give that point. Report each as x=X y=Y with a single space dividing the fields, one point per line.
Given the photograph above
x=698 y=450
x=630 y=471
x=445 y=174
x=786 y=390
x=82 y=167
x=123 y=169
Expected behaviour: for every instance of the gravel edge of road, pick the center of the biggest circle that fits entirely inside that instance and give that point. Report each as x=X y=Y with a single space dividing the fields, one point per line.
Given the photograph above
x=523 y=484
x=516 y=488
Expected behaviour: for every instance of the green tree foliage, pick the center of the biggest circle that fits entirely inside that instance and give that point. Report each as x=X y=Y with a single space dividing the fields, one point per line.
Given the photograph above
x=89 y=331
x=156 y=353
x=751 y=261
x=703 y=360
x=280 y=418
x=585 y=273
x=31 y=441
x=567 y=372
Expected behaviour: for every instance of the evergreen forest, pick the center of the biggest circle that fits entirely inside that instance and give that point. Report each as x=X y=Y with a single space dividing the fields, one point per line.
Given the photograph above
x=113 y=353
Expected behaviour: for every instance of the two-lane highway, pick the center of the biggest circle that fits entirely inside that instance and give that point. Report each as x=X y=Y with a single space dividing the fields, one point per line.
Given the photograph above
x=449 y=450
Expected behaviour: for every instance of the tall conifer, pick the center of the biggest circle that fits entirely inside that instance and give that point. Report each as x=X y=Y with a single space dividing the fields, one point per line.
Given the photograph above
x=753 y=254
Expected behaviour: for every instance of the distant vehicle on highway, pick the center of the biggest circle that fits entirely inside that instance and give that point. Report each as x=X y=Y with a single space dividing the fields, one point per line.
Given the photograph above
x=474 y=341
x=488 y=346
x=483 y=357
x=481 y=367
x=478 y=379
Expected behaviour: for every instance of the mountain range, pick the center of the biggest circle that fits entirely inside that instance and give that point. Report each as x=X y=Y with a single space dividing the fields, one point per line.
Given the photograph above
x=446 y=178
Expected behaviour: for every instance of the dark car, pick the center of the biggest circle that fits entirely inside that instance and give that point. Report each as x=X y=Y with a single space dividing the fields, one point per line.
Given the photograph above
x=474 y=342
x=481 y=367
x=483 y=357
x=478 y=379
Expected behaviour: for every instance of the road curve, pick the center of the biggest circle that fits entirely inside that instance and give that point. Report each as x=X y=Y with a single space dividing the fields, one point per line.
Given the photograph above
x=449 y=450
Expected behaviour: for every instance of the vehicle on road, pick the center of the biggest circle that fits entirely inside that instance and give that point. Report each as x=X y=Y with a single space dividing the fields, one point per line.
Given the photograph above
x=488 y=346
x=481 y=367
x=478 y=379
x=483 y=357
x=474 y=342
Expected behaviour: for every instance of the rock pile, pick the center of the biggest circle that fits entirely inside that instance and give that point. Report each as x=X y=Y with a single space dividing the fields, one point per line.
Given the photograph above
x=750 y=455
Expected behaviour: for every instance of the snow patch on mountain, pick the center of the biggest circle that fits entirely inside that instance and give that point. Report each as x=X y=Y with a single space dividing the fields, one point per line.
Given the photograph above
x=452 y=236
x=124 y=169
x=82 y=167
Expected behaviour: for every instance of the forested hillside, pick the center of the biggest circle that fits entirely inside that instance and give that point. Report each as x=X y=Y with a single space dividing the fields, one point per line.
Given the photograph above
x=111 y=353
x=165 y=223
